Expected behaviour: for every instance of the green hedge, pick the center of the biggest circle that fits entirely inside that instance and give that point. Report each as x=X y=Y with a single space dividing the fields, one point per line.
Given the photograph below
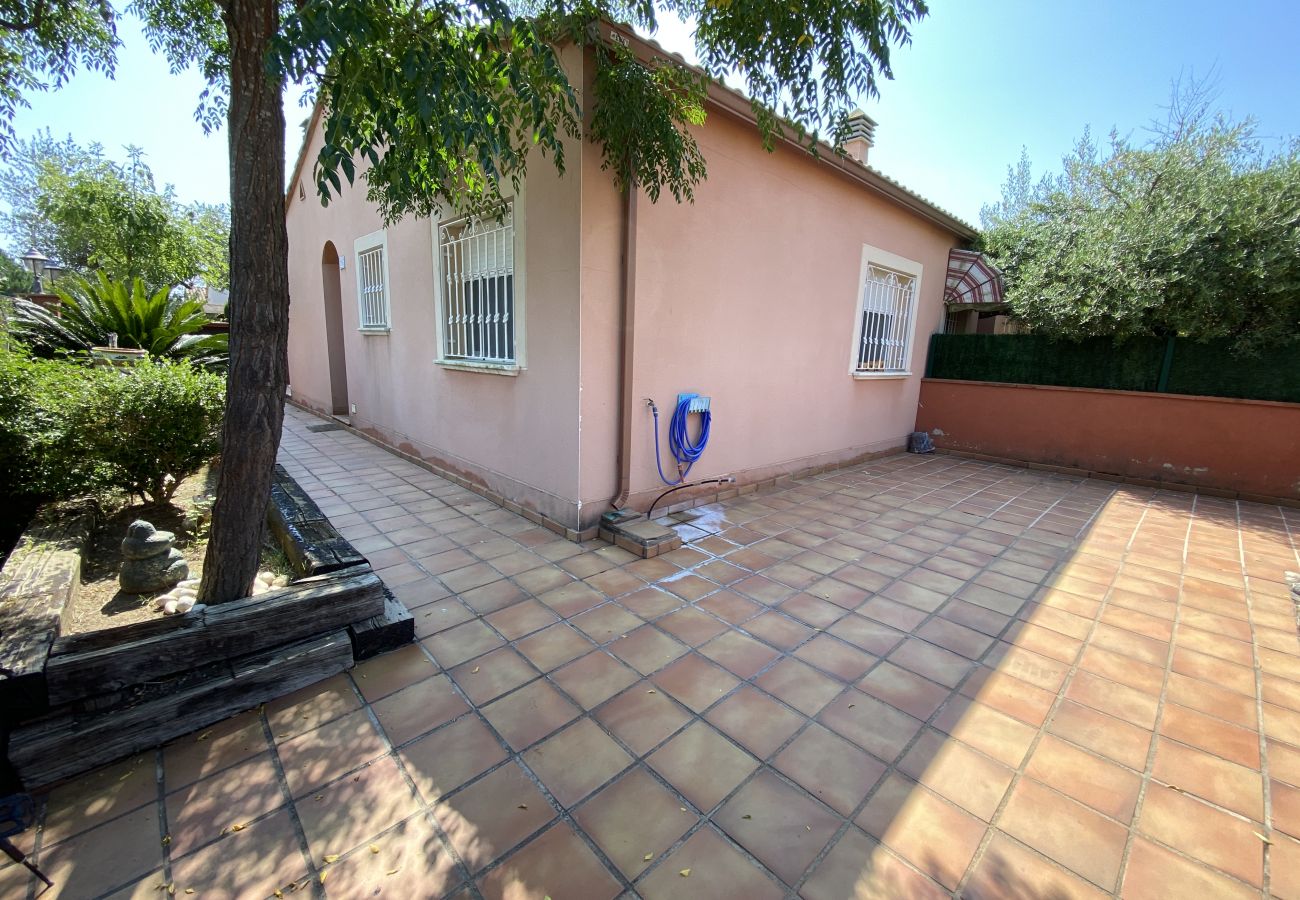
x=67 y=429
x=1206 y=369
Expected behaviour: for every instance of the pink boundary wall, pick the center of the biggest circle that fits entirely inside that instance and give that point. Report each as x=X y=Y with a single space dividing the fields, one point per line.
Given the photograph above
x=1249 y=448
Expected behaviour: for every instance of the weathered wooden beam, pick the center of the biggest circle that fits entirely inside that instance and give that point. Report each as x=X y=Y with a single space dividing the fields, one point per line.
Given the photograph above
x=311 y=543
x=212 y=633
x=379 y=634
x=59 y=746
x=38 y=583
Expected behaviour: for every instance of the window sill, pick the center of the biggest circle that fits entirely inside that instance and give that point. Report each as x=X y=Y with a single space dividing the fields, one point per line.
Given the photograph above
x=511 y=370
x=880 y=376
x=375 y=331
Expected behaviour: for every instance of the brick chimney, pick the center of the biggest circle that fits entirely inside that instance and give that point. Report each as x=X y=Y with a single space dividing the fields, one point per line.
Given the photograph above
x=862 y=132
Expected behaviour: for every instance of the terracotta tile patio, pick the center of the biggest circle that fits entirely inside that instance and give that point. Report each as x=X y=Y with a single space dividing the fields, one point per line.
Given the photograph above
x=923 y=676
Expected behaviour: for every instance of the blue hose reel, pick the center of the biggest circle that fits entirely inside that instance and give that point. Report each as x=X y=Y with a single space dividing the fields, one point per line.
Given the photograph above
x=684 y=450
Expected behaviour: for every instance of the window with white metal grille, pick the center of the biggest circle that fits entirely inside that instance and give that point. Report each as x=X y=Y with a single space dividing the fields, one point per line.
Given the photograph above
x=372 y=288
x=886 y=328
x=478 y=290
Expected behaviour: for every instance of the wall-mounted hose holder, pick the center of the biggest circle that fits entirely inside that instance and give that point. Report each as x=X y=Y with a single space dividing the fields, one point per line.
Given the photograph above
x=684 y=450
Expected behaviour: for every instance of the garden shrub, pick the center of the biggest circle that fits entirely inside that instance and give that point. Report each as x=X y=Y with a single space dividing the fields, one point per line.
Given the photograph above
x=45 y=450
x=156 y=424
x=69 y=430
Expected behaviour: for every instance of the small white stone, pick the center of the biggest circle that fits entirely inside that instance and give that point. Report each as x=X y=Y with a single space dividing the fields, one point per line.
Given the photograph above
x=185 y=604
x=170 y=606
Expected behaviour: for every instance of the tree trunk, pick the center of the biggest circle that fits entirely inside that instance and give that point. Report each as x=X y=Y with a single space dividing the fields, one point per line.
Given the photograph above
x=259 y=306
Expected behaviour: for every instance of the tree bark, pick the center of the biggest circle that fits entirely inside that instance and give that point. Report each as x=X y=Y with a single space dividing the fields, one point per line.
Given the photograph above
x=258 y=309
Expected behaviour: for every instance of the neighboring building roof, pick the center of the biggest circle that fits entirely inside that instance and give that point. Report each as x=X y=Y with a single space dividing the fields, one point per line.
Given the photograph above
x=972 y=279
x=737 y=104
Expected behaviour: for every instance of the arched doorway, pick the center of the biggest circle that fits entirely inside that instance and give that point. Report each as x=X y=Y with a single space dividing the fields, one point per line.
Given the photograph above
x=329 y=265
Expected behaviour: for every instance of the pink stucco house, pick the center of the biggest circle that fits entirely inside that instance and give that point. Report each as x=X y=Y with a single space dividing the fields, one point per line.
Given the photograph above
x=797 y=293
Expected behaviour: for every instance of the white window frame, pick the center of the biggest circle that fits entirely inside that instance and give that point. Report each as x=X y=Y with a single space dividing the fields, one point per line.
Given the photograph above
x=364 y=244
x=883 y=259
x=517 y=203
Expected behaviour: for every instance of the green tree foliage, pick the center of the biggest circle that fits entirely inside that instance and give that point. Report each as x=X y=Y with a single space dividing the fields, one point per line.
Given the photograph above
x=1194 y=232
x=447 y=101
x=163 y=322
x=43 y=42
x=93 y=214
x=25 y=161
x=14 y=278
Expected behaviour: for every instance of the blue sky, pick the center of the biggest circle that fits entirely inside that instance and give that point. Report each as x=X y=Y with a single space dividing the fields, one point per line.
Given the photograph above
x=980 y=81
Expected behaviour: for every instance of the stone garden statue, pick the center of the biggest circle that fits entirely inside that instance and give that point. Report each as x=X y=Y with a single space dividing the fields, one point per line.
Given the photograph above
x=152 y=562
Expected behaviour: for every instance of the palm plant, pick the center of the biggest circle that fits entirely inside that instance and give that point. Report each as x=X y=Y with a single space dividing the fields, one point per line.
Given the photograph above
x=91 y=309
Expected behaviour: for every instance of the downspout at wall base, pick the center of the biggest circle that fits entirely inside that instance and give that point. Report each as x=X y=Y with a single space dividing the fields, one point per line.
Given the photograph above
x=627 y=348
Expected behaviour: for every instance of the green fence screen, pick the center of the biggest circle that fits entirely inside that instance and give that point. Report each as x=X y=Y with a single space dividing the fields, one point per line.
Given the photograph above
x=1141 y=364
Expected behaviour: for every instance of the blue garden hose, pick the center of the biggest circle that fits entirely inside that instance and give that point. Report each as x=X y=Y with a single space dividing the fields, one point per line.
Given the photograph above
x=684 y=450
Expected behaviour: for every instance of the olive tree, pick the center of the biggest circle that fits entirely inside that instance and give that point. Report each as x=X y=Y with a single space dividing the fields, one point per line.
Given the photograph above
x=1194 y=232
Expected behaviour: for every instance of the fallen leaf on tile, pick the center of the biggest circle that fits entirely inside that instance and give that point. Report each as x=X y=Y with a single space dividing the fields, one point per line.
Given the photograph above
x=685 y=873
x=394 y=871
x=167 y=839
x=808 y=828
x=319 y=797
x=747 y=816
x=647 y=857
x=374 y=848
x=238 y=826
x=279 y=893
x=523 y=806
x=650 y=692
x=1263 y=838
x=333 y=857
x=204 y=736
x=322 y=877
x=474 y=671
x=189 y=890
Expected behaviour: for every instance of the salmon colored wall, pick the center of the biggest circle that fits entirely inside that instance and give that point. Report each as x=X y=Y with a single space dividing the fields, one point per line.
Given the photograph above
x=1245 y=446
x=749 y=295
x=516 y=435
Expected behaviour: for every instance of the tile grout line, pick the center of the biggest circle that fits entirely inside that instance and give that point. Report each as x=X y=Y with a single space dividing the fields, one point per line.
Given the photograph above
x=1020 y=772
x=295 y=822
x=1147 y=774
x=954 y=692
x=1266 y=844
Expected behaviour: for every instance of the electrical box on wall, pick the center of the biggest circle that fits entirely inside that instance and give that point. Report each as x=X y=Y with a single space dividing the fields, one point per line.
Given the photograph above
x=697 y=403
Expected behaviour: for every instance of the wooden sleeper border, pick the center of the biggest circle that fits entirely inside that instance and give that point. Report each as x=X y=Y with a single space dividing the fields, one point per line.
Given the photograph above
x=72 y=702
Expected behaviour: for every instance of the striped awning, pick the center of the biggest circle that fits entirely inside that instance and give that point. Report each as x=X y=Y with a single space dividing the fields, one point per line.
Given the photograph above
x=972 y=279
